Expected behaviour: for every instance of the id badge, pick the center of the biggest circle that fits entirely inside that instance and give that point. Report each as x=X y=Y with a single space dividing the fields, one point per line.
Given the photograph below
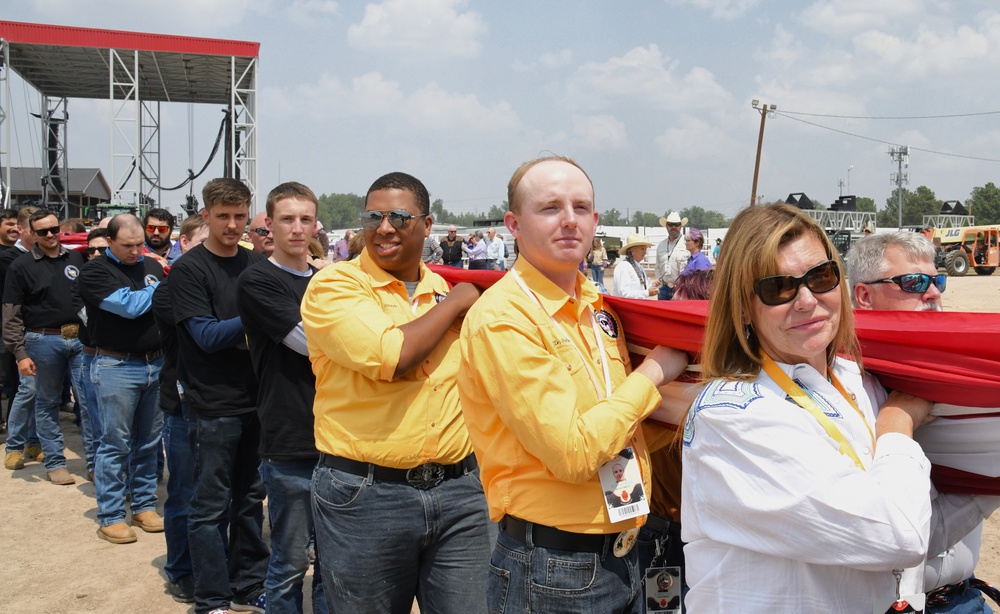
x=621 y=480
x=905 y=603
x=663 y=590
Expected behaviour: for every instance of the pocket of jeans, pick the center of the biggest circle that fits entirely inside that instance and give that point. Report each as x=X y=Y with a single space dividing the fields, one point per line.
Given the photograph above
x=32 y=337
x=497 y=586
x=574 y=574
x=337 y=489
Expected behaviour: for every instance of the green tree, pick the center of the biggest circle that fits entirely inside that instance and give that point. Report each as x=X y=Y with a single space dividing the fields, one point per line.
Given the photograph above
x=340 y=210
x=703 y=218
x=612 y=217
x=985 y=204
x=866 y=204
x=916 y=205
x=642 y=219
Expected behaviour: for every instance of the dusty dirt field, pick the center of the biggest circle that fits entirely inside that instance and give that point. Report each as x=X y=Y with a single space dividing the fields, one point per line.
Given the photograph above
x=56 y=563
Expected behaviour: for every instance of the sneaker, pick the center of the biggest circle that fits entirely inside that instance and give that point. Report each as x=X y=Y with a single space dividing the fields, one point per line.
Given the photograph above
x=183 y=589
x=14 y=460
x=257 y=605
x=34 y=452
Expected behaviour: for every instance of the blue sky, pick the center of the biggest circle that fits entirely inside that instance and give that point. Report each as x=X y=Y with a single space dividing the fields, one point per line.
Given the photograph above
x=652 y=97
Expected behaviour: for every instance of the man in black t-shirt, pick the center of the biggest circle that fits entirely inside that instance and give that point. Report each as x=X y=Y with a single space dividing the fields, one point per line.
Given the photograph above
x=40 y=326
x=220 y=385
x=269 y=295
x=451 y=248
x=117 y=291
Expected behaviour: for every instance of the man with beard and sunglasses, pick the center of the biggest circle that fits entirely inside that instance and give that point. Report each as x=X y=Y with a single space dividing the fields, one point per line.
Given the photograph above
x=895 y=271
x=158 y=224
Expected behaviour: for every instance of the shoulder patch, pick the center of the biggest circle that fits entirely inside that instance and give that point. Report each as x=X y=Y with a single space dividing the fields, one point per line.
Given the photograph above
x=607 y=323
x=150 y=279
x=440 y=297
x=721 y=393
x=71 y=272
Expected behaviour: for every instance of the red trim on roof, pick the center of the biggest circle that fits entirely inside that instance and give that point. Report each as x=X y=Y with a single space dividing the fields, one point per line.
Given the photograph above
x=67 y=36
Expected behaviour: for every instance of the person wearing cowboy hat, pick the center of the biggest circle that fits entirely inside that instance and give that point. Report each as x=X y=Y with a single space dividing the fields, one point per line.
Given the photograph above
x=671 y=255
x=630 y=279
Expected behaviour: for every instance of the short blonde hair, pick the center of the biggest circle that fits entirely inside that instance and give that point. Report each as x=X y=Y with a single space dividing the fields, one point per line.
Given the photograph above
x=752 y=245
x=514 y=199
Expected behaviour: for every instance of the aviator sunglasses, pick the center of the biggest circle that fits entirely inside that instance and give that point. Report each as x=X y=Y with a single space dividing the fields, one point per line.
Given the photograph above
x=781 y=289
x=915 y=283
x=398 y=218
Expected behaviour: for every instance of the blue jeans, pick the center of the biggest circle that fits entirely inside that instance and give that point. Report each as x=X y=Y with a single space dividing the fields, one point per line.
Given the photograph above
x=227 y=476
x=528 y=578
x=597 y=274
x=180 y=489
x=90 y=414
x=665 y=294
x=290 y=514
x=432 y=544
x=128 y=392
x=52 y=356
x=21 y=420
x=969 y=601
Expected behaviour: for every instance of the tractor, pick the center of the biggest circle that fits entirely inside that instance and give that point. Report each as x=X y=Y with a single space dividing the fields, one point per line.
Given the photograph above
x=970 y=246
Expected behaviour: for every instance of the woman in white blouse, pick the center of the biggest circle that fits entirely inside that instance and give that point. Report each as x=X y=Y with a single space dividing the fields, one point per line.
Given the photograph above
x=630 y=280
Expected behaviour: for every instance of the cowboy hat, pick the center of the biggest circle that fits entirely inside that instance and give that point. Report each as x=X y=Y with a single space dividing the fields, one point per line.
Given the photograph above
x=635 y=240
x=673 y=218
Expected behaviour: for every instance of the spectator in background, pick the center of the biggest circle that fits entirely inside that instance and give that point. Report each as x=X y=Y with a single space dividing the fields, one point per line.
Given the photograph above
x=260 y=235
x=597 y=260
x=697 y=261
x=158 y=225
x=451 y=248
x=10 y=232
x=694 y=286
x=630 y=280
x=494 y=250
x=323 y=238
x=356 y=245
x=476 y=249
x=670 y=255
x=716 y=250
x=432 y=252
x=341 y=249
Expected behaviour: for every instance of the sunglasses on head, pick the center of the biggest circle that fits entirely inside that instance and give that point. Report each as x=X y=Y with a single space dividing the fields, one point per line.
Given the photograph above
x=398 y=218
x=781 y=289
x=916 y=283
x=54 y=230
x=151 y=228
x=262 y=232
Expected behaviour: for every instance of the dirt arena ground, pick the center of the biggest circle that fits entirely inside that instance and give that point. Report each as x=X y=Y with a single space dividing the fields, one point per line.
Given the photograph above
x=56 y=563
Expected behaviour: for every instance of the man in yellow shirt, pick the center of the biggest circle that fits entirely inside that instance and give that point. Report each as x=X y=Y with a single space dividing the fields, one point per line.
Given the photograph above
x=552 y=406
x=397 y=501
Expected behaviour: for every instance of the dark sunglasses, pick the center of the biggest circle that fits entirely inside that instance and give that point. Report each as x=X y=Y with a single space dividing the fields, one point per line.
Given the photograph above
x=916 y=283
x=151 y=228
x=263 y=232
x=54 y=230
x=673 y=225
x=781 y=289
x=94 y=250
x=398 y=219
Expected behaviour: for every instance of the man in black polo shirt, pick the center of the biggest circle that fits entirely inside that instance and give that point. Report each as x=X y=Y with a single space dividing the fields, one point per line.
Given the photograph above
x=40 y=326
x=220 y=385
x=269 y=296
x=451 y=248
x=117 y=291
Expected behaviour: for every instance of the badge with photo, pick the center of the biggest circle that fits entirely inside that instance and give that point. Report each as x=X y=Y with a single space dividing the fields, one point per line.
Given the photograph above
x=621 y=481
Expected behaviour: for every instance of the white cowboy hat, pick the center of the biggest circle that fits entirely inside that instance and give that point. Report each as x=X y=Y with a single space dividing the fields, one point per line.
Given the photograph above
x=635 y=240
x=673 y=218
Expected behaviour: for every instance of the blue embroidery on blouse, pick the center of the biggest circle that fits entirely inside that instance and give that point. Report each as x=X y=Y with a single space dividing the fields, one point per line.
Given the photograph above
x=721 y=393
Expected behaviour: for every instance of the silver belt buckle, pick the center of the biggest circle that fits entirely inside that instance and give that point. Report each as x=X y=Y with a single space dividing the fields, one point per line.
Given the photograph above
x=625 y=541
x=426 y=476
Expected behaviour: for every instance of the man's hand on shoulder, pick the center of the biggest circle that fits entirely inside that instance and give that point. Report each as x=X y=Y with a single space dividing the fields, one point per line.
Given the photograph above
x=464 y=295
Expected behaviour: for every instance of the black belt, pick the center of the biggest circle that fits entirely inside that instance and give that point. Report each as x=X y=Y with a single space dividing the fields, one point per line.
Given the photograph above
x=148 y=356
x=424 y=476
x=663 y=525
x=556 y=539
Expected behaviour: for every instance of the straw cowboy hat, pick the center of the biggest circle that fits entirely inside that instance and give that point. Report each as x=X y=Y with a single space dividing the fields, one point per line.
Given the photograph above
x=673 y=218
x=635 y=240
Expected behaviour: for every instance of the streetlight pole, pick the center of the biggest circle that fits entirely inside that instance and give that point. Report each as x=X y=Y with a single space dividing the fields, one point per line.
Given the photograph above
x=849 y=179
x=760 y=141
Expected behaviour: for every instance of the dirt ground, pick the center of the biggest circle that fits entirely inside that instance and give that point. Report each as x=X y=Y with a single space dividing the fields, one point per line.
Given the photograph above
x=56 y=563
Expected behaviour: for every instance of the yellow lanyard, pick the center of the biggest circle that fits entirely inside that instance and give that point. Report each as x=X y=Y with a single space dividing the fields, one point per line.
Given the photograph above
x=805 y=402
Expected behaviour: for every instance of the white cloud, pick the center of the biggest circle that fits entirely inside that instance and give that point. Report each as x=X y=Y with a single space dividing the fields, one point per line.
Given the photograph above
x=855 y=15
x=433 y=108
x=644 y=75
x=423 y=25
x=721 y=9
x=312 y=13
x=694 y=139
x=556 y=59
x=599 y=132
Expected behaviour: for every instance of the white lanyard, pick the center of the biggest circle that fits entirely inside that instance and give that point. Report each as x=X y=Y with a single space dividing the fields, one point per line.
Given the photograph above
x=597 y=336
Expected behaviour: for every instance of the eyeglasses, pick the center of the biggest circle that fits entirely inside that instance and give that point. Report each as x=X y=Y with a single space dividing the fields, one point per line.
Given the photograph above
x=151 y=228
x=398 y=218
x=54 y=230
x=261 y=232
x=916 y=283
x=94 y=250
x=781 y=289
x=673 y=225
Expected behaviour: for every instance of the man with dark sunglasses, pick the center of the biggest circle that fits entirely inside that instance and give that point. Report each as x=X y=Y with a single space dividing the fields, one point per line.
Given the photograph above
x=260 y=235
x=894 y=271
x=398 y=507
x=158 y=224
x=41 y=324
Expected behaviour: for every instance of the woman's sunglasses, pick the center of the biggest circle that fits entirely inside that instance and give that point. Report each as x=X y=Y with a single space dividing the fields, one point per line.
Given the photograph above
x=781 y=289
x=916 y=283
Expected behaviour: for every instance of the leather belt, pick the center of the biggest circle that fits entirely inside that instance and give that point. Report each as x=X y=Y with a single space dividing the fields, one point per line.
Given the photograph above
x=663 y=525
x=423 y=477
x=47 y=331
x=89 y=350
x=147 y=357
x=556 y=539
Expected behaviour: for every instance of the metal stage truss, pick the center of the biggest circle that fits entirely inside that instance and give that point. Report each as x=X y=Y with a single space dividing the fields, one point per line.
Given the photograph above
x=135 y=72
x=854 y=221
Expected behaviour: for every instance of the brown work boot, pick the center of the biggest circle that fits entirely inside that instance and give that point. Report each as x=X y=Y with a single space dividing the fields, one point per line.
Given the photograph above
x=61 y=477
x=34 y=452
x=149 y=521
x=117 y=533
x=14 y=460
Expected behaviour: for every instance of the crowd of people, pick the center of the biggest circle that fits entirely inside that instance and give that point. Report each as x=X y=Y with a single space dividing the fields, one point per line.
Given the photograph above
x=485 y=450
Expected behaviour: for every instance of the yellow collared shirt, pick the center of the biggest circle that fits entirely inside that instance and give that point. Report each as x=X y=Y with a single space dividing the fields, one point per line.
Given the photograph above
x=539 y=428
x=351 y=314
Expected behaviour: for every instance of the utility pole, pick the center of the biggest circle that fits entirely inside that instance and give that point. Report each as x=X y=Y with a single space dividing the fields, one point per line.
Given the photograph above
x=901 y=156
x=760 y=140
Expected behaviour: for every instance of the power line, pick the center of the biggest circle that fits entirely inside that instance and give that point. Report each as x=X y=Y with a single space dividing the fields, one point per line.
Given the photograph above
x=891 y=117
x=890 y=143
